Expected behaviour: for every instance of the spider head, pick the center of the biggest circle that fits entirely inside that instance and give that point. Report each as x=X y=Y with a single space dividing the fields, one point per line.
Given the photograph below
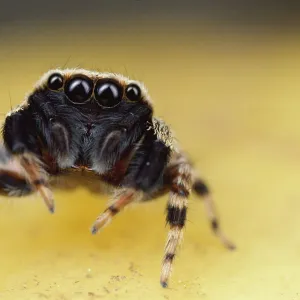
x=94 y=92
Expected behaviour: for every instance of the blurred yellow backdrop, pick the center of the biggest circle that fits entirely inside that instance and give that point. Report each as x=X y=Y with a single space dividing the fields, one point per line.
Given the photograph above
x=233 y=100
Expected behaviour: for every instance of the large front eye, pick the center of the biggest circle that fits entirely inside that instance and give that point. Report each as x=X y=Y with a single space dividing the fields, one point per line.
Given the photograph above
x=133 y=92
x=79 y=89
x=55 y=81
x=108 y=93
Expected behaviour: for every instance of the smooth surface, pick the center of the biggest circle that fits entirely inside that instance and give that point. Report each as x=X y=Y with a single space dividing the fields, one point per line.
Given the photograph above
x=234 y=103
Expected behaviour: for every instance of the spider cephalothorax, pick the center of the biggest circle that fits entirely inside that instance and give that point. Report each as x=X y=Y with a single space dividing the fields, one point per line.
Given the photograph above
x=101 y=122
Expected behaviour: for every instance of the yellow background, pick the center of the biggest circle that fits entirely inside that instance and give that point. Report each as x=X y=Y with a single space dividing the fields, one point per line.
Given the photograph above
x=233 y=100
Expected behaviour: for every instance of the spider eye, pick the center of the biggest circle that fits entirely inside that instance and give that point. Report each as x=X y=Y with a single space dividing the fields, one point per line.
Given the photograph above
x=133 y=92
x=79 y=89
x=55 y=81
x=108 y=93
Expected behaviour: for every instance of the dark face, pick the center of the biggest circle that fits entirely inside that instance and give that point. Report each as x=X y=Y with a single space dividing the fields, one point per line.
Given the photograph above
x=89 y=120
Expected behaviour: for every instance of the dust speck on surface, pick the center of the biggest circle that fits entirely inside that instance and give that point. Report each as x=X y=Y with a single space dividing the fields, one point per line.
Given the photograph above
x=62 y=297
x=42 y=295
x=89 y=273
x=133 y=269
x=93 y=295
x=117 y=278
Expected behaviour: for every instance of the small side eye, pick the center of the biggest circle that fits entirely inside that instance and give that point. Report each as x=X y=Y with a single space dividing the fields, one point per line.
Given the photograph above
x=133 y=92
x=55 y=82
x=79 y=89
x=108 y=93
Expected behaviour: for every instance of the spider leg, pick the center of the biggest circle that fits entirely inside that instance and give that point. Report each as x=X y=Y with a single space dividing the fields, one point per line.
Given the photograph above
x=144 y=175
x=37 y=177
x=21 y=141
x=201 y=189
x=122 y=198
x=180 y=187
x=22 y=174
x=12 y=180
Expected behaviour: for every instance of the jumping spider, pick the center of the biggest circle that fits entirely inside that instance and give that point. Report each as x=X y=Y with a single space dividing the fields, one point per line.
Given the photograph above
x=104 y=123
